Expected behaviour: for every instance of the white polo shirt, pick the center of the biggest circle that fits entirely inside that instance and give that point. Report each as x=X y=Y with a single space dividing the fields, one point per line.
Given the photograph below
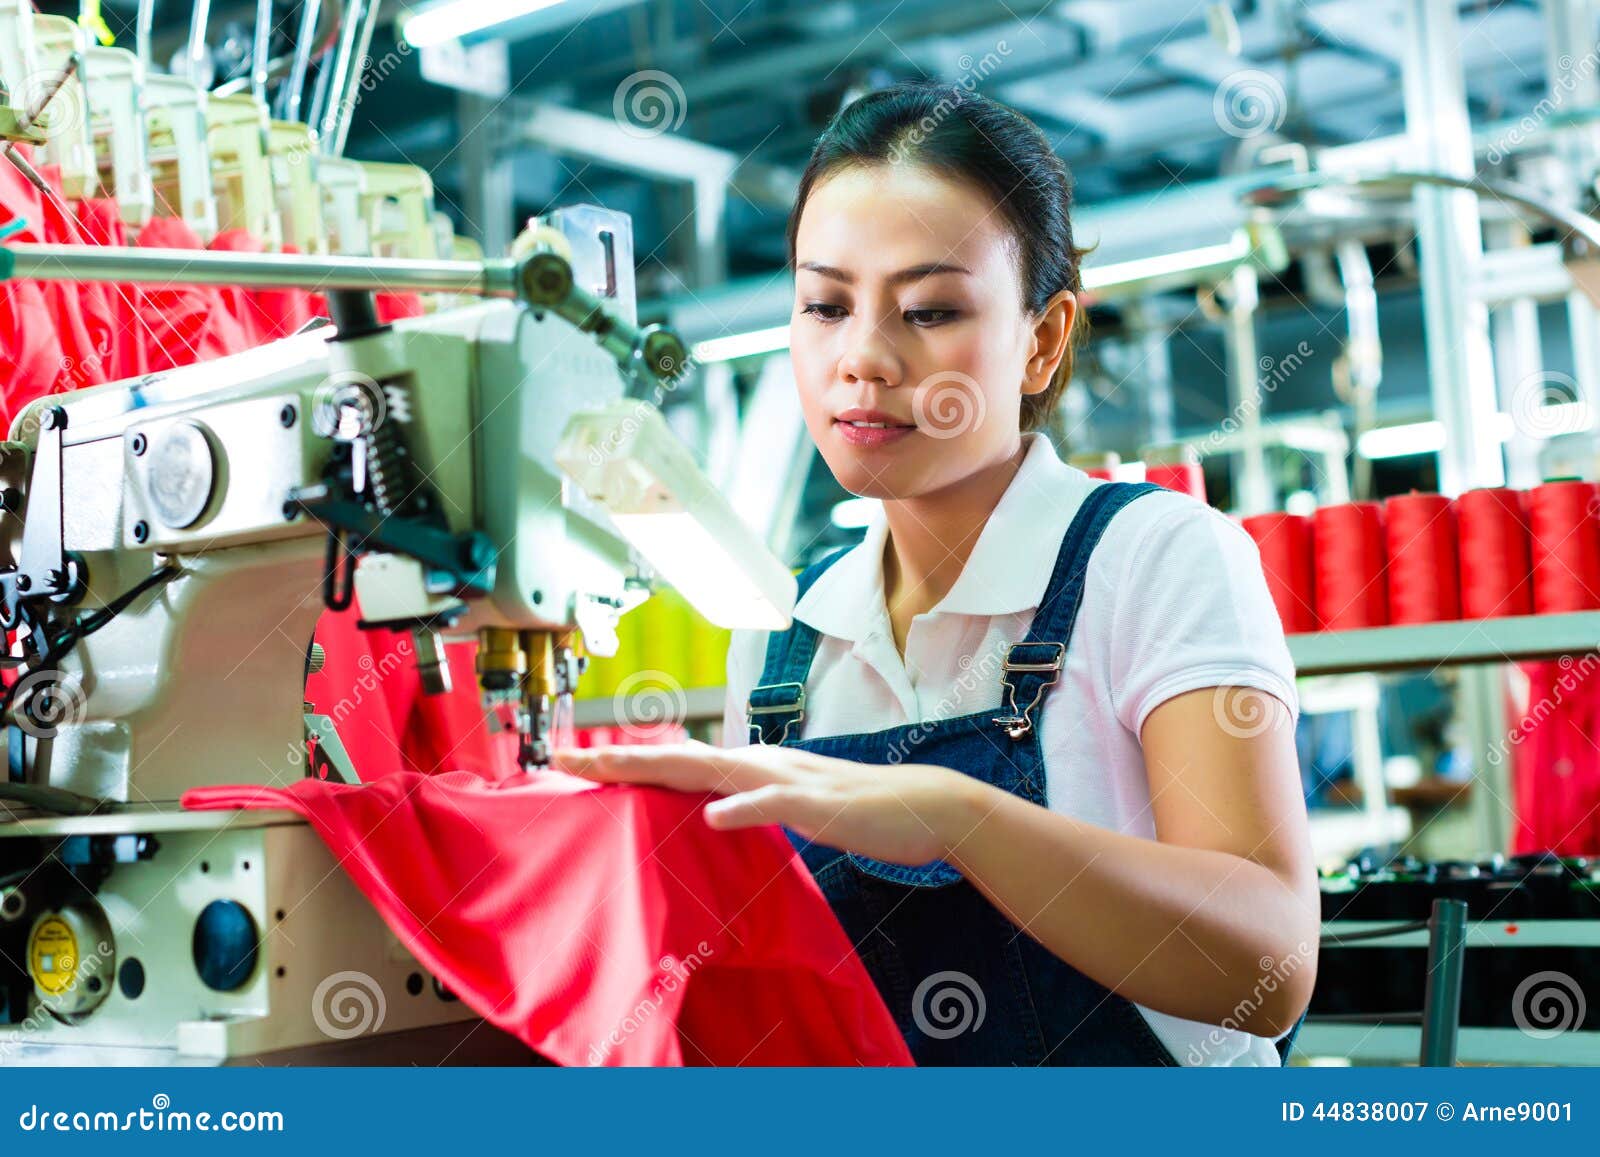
x=1174 y=601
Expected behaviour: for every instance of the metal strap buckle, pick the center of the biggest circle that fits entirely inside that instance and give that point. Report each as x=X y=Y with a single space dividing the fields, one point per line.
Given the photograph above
x=1019 y=724
x=797 y=709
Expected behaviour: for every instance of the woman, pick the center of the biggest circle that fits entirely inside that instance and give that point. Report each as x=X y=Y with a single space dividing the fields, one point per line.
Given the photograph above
x=1034 y=735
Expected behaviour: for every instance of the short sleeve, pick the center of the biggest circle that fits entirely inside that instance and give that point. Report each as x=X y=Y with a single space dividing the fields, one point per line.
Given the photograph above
x=745 y=650
x=1192 y=611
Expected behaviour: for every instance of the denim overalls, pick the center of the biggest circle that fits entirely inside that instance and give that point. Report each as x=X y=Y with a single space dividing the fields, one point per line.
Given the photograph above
x=965 y=985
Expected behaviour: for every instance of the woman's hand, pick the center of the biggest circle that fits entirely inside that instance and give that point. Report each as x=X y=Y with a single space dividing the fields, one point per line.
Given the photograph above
x=904 y=814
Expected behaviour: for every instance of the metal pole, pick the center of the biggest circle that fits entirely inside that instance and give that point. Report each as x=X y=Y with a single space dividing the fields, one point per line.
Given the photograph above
x=1252 y=487
x=198 y=21
x=143 y=30
x=1441 y=1006
x=260 y=47
x=262 y=271
x=345 y=110
x=1460 y=361
x=349 y=28
x=294 y=88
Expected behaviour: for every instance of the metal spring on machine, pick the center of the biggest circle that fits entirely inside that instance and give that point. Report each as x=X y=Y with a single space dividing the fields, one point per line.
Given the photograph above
x=390 y=481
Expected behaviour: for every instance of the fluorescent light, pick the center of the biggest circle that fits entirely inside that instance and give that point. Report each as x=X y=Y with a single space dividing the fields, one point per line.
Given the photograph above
x=1300 y=502
x=742 y=345
x=1428 y=437
x=1097 y=277
x=1399 y=441
x=457 y=18
x=854 y=513
x=701 y=569
x=627 y=459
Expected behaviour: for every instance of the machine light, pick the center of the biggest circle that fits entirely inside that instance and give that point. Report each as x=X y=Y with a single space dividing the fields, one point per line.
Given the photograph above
x=627 y=459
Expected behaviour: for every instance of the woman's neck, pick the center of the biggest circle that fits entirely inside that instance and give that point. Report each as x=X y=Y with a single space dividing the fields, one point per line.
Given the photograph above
x=932 y=536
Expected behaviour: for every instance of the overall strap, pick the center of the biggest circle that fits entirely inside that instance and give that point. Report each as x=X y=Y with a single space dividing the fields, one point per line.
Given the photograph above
x=1033 y=665
x=778 y=702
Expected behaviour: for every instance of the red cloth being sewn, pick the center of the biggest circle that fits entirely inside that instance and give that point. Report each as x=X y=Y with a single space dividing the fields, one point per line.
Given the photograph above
x=370 y=688
x=100 y=223
x=601 y=924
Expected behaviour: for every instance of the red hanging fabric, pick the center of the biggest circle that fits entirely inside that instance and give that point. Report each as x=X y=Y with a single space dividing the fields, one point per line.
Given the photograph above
x=288 y=309
x=188 y=323
x=41 y=322
x=244 y=304
x=396 y=306
x=1555 y=763
x=100 y=223
x=601 y=925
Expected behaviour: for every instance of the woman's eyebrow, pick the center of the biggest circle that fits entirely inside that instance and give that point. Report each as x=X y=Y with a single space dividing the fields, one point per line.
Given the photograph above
x=911 y=273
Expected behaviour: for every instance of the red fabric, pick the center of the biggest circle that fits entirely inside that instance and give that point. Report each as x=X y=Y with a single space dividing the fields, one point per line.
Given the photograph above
x=395 y=306
x=42 y=334
x=244 y=304
x=187 y=323
x=601 y=925
x=370 y=688
x=113 y=312
x=289 y=309
x=1555 y=762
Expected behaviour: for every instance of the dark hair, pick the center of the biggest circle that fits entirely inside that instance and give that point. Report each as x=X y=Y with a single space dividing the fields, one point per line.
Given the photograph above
x=957 y=132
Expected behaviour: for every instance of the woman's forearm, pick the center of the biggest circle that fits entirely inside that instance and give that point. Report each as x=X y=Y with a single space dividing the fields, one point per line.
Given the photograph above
x=1194 y=933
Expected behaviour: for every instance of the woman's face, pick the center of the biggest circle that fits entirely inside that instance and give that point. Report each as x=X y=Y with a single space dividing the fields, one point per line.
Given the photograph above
x=910 y=344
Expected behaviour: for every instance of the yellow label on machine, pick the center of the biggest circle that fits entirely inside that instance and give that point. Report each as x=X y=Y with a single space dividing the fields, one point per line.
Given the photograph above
x=53 y=955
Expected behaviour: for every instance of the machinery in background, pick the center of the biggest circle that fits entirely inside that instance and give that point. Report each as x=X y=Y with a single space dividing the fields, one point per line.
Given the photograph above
x=1530 y=941
x=173 y=541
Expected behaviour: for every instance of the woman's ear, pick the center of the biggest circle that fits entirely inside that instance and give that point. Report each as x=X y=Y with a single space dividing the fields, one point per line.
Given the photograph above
x=1052 y=336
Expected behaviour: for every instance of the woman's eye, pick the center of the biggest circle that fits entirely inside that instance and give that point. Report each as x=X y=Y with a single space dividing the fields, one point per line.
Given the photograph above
x=822 y=311
x=930 y=317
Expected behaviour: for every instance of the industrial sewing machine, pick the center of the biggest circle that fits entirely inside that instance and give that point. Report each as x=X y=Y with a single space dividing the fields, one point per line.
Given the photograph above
x=173 y=540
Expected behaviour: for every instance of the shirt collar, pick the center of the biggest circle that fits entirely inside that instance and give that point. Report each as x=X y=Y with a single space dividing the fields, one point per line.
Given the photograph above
x=1008 y=571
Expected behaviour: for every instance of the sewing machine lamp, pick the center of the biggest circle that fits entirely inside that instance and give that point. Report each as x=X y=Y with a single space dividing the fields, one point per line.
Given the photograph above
x=627 y=460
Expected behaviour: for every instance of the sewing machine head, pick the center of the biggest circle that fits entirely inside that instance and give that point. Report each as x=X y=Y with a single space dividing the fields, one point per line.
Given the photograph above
x=181 y=533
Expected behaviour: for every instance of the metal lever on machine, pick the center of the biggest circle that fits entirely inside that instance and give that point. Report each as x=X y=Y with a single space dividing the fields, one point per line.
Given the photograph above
x=543 y=280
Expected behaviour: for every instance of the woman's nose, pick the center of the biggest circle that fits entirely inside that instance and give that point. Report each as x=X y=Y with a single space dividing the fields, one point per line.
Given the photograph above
x=870 y=357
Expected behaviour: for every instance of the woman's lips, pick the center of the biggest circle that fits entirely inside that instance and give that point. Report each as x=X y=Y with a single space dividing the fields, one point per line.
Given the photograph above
x=870 y=434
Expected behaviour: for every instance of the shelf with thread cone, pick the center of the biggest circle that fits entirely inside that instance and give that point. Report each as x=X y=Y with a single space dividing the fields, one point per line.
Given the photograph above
x=1521 y=638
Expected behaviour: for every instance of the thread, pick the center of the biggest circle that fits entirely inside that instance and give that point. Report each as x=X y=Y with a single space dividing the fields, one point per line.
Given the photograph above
x=1350 y=588
x=1565 y=546
x=1495 y=553
x=1284 y=541
x=1424 y=575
